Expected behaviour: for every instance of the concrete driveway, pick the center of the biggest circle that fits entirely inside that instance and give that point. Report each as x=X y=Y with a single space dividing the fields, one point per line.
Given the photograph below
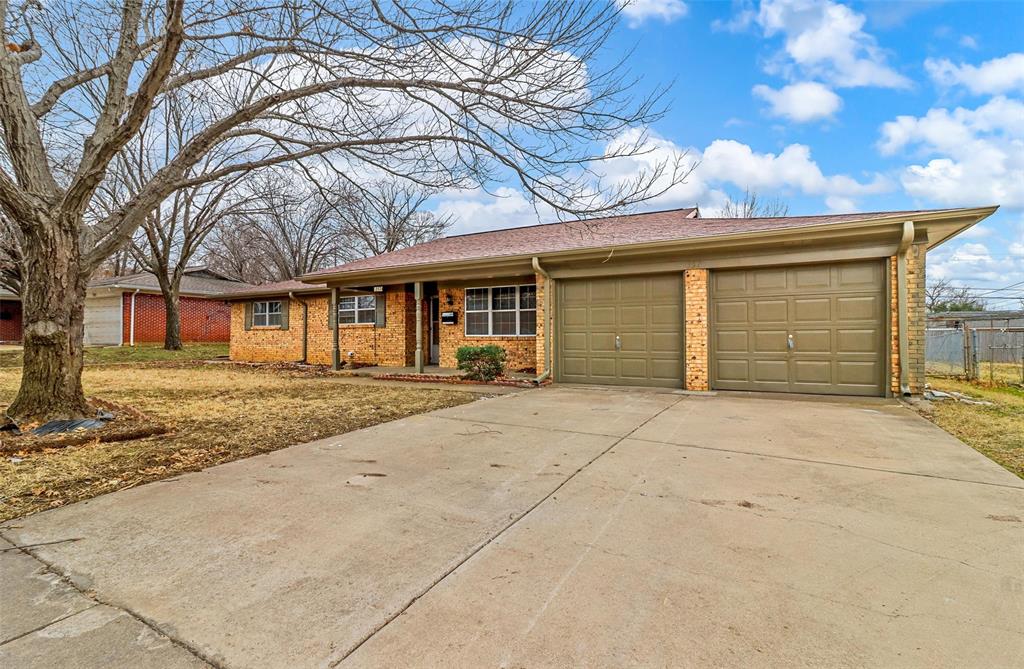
x=556 y=527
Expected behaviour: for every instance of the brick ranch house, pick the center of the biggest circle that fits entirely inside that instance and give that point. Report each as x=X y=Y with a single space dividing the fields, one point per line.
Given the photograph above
x=128 y=310
x=829 y=304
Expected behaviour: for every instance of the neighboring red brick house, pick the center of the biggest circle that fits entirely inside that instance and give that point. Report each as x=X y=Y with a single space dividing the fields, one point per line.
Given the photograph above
x=829 y=304
x=10 y=317
x=129 y=310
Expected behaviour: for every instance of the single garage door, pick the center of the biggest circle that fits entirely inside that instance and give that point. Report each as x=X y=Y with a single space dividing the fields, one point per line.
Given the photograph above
x=103 y=320
x=622 y=330
x=802 y=329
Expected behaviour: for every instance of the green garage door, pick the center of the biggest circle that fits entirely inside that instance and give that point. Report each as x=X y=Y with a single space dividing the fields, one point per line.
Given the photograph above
x=622 y=331
x=801 y=329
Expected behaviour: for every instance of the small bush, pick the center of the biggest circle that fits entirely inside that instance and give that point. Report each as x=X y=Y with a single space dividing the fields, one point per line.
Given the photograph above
x=481 y=363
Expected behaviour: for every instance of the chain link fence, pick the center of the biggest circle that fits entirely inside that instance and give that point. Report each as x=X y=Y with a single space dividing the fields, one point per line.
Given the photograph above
x=987 y=353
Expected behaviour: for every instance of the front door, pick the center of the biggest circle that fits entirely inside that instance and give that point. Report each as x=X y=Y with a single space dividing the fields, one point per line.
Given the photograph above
x=435 y=330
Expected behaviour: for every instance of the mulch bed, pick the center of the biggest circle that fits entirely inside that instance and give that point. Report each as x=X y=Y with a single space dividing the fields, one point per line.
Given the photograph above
x=128 y=423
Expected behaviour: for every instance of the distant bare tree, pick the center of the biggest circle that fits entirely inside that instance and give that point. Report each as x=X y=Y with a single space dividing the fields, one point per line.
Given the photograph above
x=941 y=296
x=10 y=256
x=446 y=95
x=752 y=206
x=386 y=216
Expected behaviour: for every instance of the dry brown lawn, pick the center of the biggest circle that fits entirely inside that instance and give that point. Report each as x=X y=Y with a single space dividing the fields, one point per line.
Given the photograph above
x=217 y=413
x=996 y=431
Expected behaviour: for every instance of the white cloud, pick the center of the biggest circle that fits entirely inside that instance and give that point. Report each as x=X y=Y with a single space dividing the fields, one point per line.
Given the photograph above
x=800 y=102
x=637 y=12
x=968 y=42
x=825 y=40
x=976 y=155
x=999 y=75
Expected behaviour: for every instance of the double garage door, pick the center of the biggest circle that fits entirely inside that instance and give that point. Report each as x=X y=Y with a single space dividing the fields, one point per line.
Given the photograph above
x=806 y=329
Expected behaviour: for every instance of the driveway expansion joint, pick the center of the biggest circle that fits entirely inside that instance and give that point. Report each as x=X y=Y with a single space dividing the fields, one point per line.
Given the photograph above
x=512 y=523
x=829 y=464
x=98 y=601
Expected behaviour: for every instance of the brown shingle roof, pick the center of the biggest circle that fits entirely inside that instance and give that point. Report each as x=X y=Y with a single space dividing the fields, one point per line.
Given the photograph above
x=190 y=285
x=277 y=288
x=674 y=225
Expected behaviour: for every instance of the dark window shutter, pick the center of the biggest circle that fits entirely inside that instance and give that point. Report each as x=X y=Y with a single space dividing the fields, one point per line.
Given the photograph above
x=381 y=319
x=248 y=315
x=285 y=308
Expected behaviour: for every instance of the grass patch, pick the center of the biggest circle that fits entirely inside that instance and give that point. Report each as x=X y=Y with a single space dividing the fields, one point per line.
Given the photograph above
x=996 y=431
x=105 y=355
x=217 y=414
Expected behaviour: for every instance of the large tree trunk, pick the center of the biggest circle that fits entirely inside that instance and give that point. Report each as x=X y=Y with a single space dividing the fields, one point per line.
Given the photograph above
x=53 y=304
x=172 y=331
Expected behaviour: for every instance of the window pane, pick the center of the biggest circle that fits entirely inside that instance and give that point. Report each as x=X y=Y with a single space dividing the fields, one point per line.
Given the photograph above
x=476 y=299
x=527 y=297
x=367 y=302
x=504 y=323
x=347 y=316
x=259 y=308
x=476 y=323
x=367 y=316
x=503 y=298
x=528 y=322
x=274 y=319
x=274 y=307
x=346 y=303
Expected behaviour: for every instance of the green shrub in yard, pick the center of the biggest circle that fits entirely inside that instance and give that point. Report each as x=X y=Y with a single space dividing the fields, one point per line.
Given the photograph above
x=481 y=363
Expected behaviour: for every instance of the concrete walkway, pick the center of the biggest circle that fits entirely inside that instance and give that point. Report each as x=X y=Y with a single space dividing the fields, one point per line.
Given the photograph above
x=555 y=527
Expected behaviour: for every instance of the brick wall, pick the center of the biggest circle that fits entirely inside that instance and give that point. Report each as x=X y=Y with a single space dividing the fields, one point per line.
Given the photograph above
x=202 y=320
x=695 y=286
x=10 y=320
x=521 y=352
x=542 y=328
x=385 y=346
x=916 y=320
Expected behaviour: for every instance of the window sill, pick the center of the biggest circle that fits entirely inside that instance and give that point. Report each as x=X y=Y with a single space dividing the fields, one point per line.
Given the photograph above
x=355 y=325
x=525 y=336
x=266 y=327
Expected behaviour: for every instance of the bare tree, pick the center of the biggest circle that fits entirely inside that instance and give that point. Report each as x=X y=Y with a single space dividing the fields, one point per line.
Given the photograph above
x=446 y=96
x=10 y=256
x=941 y=295
x=752 y=206
x=385 y=216
x=290 y=229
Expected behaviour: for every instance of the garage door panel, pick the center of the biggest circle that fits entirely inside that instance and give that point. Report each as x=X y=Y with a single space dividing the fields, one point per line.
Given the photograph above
x=812 y=309
x=769 y=341
x=856 y=341
x=731 y=341
x=770 y=311
x=602 y=342
x=771 y=370
x=835 y=313
x=769 y=280
x=666 y=315
x=603 y=317
x=633 y=316
x=731 y=312
x=665 y=342
x=646 y=314
x=812 y=341
x=633 y=342
x=812 y=278
x=862 y=373
x=633 y=368
x=812 y=371
x=857 y=308
x=733 y=370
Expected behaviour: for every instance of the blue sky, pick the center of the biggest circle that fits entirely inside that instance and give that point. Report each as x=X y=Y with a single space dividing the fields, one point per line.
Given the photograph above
x=834 y=106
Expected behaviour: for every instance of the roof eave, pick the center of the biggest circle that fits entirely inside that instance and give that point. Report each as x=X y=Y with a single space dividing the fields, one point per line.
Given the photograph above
x=969 y=217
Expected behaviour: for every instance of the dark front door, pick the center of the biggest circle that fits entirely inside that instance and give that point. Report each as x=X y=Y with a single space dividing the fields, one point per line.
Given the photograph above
x=435 y=330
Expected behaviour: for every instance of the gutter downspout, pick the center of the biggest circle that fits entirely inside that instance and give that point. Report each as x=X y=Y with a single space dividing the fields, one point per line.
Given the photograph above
x=131 y=320
x=305 y=323
x=901 y=297
x=549 y=286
